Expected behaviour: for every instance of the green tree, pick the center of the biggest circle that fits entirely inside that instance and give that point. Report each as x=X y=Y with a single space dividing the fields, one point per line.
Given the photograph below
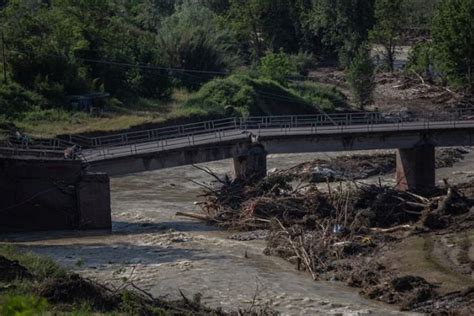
x=388 y=28
x=63 y=47
x=277 y=66
x=453 y=41
x=192 y=39
x=361 y=77
x=342 y=25
x=420 y=60
x=269 y=25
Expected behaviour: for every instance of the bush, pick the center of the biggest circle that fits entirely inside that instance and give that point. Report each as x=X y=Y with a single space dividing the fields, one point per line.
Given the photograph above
x=361 y=77
x=327 y=98
x=304 y=62
x=14 y=100
x=242 y=95
x=22 y=305
x=277 y=66
x=420 y=60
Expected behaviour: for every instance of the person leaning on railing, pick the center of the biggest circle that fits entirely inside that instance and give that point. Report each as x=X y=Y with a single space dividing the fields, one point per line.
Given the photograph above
x=72 y=152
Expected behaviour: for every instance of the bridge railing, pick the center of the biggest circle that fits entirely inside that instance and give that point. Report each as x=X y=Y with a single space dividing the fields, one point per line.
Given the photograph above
x=288 y=122
x=231 y=128
x=282 y=122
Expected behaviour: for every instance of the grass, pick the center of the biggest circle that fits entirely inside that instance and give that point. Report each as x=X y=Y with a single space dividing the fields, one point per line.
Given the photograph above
x=53 y=291
x=41 y=267
x=53 y=122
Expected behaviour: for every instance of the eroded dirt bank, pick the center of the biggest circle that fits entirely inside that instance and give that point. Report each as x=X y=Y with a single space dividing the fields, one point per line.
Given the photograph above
x=167 y=253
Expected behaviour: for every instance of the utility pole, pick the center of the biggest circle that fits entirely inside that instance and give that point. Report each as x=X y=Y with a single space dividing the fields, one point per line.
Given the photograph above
x=4 y=59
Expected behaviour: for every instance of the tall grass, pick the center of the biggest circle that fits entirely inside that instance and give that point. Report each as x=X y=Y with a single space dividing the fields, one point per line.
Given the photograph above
x=41 y=267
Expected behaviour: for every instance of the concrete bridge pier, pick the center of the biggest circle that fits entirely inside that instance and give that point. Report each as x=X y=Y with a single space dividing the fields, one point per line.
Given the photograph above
x=253 y=164
x=416 y=168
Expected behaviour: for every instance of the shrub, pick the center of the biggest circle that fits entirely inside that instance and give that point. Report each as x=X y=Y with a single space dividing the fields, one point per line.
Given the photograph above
x=23 y=305
x=324 y=97
x=242 y=95
x=277 y=66
x=14 y=100
x=303 y=62
x=420 y=60
x=361 y=77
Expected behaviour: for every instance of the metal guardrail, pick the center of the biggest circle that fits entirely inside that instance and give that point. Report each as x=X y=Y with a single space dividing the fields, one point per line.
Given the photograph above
x=265 y=122
x=27 y=152
x=238 y=128
x=235 y=128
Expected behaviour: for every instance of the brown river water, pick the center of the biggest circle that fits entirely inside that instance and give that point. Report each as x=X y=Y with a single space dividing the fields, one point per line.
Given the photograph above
x=163 y=253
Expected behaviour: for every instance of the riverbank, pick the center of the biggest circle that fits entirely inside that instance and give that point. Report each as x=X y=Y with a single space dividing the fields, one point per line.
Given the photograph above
x=34 y=285
x=168 y=253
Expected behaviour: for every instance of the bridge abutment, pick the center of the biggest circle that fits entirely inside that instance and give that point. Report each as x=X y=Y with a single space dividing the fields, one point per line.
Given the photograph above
x=52 y=194
x=416 y=168
x=253 y=164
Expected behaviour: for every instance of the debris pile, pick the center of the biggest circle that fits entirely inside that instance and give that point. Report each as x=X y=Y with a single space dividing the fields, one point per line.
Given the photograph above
x=363 y=166
x=337 y=233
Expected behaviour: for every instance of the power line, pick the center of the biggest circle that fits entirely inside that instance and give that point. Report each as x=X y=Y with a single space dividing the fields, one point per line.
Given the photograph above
x=144 y=66
x=193 y=73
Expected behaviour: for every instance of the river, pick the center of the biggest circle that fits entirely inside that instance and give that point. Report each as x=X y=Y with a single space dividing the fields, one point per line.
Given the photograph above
x=163 y=253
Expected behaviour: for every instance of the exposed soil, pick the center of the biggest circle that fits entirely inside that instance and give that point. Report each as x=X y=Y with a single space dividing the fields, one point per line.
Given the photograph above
x=399 y=92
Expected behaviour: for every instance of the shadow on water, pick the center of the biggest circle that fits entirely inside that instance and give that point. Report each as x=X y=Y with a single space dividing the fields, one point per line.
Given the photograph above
x=119 y=228
x=123 y=253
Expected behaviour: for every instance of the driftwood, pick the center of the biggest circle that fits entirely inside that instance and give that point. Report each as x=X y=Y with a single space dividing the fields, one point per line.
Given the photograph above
x=391 y=229
x=195 y=216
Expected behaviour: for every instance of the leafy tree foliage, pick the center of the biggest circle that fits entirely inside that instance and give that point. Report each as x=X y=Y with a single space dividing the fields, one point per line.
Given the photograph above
x=388 y=28
x=145 y=48
x=192 y=39
x=14 y=100
x=420 y=60
x=361 y=77
x=270 y=25
x=64 y=47
x=277 y=66
x=342 y=25
x=453 y=41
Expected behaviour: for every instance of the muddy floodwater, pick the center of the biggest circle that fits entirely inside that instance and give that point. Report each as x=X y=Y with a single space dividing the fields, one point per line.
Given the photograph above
x=163 y=253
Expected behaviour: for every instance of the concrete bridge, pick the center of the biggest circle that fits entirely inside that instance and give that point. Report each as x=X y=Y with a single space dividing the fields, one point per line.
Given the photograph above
x=249 y=140
x=57 y=193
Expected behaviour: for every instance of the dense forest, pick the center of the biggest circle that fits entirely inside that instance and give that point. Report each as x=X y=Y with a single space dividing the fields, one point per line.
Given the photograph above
x=233 y=56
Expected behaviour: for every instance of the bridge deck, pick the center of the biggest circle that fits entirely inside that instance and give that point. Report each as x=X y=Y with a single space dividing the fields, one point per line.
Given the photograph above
x=216 y=137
